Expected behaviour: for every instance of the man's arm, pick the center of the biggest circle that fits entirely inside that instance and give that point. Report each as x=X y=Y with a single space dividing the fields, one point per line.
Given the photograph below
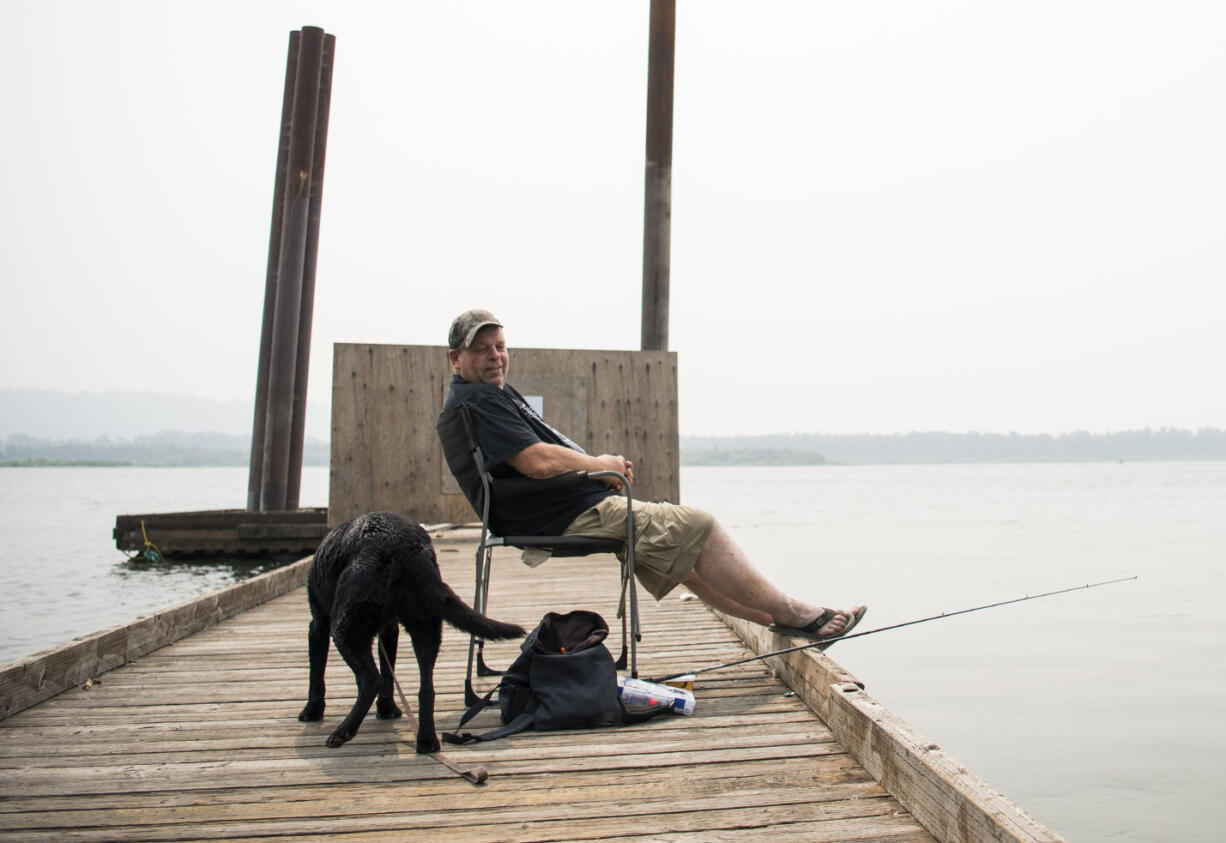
x=543 y=460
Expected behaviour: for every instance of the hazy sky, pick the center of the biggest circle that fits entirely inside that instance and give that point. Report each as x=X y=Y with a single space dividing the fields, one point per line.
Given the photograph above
x=886 y=216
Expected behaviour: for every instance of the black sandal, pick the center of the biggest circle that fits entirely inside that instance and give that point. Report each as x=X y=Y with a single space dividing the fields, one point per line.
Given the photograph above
x=810 y=629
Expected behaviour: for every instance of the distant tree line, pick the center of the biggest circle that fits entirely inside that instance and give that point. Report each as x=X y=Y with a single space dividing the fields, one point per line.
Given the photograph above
x=865 y=449
x=159 y=449
x=202 y=449
x=750 y=456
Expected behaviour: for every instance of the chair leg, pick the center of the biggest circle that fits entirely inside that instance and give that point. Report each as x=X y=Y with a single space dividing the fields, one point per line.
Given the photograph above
x=636 y=632
x=484 y=669
x=477 y=645
x=622 y=661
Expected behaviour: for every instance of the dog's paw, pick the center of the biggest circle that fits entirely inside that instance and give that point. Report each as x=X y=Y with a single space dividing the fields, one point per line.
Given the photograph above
x=427 y=744
x=312 y=711
x=387 y=710
x=340 y=737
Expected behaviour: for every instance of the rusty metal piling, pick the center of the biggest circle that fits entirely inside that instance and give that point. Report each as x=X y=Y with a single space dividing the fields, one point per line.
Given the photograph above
x=311 y=252
x=657 y=193
x=255 y=475
x=279 y=420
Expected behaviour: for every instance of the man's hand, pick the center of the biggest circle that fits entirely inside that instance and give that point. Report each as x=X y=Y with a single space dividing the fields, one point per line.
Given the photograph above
x=618 y=463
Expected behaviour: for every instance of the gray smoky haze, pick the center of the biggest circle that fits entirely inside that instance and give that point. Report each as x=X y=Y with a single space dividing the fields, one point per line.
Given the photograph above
x=54 y=415
x=44 y=427
x=885 y=217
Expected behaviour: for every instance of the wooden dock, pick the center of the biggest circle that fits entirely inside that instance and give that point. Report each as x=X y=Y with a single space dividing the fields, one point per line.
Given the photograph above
x=198 y=739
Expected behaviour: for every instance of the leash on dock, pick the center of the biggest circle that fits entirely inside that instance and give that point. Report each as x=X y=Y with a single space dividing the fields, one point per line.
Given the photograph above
x=477 y=775
x=826 y=642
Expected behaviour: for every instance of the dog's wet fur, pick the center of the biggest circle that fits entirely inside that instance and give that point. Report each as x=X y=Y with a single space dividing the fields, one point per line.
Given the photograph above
x=369 y=574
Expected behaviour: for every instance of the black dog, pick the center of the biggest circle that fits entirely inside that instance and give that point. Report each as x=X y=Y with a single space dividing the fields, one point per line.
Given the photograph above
x=368 y=574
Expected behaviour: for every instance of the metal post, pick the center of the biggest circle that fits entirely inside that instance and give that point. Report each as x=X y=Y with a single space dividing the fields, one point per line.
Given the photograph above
x=311 y=252
x=255 y=474
x=657 y=193
x=289 y=272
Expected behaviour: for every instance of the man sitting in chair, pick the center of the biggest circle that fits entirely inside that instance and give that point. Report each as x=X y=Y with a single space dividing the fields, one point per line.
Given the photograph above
x=674 y=544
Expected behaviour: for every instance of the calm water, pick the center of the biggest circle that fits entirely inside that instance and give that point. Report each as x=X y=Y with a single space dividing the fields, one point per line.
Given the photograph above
x=1098 y=711
x=59 y=555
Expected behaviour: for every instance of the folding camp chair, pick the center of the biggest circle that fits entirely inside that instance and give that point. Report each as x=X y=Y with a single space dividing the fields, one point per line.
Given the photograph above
x=467 y=464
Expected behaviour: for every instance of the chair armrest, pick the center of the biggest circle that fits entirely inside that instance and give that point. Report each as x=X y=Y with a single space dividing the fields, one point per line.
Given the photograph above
x=509 y=487
x=625 y=489
x=565 y=545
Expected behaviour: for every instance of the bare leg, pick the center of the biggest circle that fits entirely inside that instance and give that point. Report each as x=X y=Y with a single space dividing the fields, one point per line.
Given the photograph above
x=718 y=601
x=724 y=570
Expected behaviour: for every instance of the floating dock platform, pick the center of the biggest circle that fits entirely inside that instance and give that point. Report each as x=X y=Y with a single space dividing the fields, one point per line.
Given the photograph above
x=183 y=726
x=224 y=532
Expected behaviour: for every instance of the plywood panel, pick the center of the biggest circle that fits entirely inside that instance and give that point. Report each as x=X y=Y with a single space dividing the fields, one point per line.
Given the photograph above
x=386 y=398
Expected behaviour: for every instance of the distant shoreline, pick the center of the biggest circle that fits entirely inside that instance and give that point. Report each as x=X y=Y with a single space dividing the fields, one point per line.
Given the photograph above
x=944 y=448
x=174 y=449
x=169 y=449
x=148 y=429
x=45 y=463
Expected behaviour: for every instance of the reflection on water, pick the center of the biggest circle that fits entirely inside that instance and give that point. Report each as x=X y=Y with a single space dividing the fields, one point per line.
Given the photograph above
x=219 y=569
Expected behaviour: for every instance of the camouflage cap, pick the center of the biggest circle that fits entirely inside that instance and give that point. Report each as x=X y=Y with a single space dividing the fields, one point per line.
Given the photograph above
x=465 y=327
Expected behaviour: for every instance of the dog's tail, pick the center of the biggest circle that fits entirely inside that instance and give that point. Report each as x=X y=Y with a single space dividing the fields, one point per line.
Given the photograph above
x=462 y=616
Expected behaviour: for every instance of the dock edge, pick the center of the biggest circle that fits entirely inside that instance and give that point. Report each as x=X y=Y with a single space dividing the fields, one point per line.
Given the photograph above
x=31 y=680
x=951 y=802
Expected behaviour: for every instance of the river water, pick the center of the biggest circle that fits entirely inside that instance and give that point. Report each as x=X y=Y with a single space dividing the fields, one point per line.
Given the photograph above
x=1098 y=711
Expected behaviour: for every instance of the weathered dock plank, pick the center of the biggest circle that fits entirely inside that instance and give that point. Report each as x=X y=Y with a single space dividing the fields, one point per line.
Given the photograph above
x=199 y=740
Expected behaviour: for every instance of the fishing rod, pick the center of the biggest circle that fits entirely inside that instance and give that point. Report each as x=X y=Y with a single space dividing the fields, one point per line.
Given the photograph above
x=826 y=642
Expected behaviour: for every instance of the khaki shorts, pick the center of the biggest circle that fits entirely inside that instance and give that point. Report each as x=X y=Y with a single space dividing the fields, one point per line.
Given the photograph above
x=667 y=538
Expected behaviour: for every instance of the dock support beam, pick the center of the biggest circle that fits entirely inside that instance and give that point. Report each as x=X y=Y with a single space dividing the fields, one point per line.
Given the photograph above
x=279 y=420
x=657 y=194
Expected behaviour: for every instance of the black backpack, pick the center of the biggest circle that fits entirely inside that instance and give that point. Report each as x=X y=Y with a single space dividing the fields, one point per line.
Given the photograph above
x=564 y=678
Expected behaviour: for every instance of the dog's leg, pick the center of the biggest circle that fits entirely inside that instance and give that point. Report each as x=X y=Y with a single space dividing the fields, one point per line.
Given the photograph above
x=317 y=652
x=427 y=637
x=353 y=641
x=386 y=708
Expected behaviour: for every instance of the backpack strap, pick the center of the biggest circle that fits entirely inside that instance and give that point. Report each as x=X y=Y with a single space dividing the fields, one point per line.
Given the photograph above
x=473 y=710
x=519 y=724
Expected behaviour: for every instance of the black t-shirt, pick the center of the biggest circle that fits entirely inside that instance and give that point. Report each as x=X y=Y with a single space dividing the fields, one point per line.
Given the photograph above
x=505 y=424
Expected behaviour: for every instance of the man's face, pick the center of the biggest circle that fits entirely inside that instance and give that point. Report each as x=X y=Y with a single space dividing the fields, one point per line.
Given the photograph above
x=485 y=360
